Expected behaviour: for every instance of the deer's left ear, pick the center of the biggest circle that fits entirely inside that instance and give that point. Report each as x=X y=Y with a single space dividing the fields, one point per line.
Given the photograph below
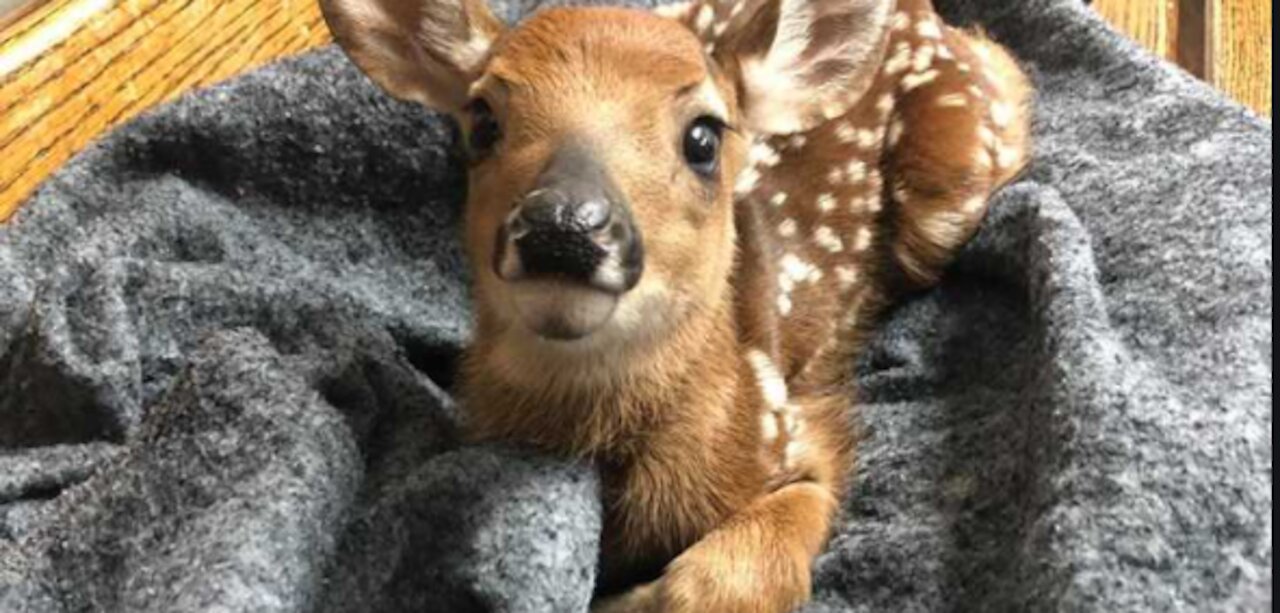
x=428 y=51
x=797 y=63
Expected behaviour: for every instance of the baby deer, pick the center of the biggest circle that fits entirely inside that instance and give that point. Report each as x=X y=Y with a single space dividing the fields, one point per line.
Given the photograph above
x=680 y=223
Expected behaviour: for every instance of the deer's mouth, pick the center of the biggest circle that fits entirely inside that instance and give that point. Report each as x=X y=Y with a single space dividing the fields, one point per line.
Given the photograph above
x=569 y=249
x=561 y=310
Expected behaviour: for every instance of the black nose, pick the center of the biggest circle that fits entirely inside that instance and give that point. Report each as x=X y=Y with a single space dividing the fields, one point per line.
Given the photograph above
x=575 y=226
x=556 y=233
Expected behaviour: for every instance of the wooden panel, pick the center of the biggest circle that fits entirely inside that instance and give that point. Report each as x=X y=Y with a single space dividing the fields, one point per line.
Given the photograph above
x=1153 y=23
x=1192 y=54
x=70 y=69
x=1239 y=48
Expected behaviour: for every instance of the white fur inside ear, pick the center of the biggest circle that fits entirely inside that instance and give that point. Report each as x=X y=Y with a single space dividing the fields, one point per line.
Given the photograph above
x=424 y=51
x=803 y=79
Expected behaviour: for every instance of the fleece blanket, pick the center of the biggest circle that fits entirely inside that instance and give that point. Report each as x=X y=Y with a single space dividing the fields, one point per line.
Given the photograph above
x=228 y=331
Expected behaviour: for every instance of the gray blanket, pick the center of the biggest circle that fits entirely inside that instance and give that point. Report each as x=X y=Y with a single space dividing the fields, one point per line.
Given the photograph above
x=227 y=332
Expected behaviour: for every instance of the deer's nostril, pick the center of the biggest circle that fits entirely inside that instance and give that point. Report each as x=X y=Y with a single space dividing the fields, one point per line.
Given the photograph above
x=620 y=231
x=517 y=227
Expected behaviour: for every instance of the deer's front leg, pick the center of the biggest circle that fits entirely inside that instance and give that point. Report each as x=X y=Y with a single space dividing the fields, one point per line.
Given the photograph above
x=756 y=562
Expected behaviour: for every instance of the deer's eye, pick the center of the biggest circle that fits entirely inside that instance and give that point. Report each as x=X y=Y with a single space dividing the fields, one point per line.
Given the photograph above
x=485 y=131
x=702 y=144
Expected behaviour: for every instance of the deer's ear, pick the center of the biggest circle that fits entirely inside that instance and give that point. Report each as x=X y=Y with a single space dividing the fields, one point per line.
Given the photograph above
x=428 y=51
x=797 y=63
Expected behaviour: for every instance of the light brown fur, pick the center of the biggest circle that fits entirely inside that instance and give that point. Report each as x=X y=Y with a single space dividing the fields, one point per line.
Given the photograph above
x=718 y=400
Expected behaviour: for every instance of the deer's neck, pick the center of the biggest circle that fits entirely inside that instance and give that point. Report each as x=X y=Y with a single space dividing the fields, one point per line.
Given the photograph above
x=610 y=403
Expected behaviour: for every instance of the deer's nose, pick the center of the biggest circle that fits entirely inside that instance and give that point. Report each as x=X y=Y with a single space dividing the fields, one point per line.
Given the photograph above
x=552 y=211
x=574 y=227
x=559 y=234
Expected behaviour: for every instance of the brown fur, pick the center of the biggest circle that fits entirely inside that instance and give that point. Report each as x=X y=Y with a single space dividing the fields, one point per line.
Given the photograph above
x=721 y=478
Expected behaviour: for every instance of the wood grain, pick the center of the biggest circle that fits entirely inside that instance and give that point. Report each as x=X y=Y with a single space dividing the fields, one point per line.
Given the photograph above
x=71 y=69
x=1192 y=22
x=1239 y=50
x=1225 y=42
x=1153 y=23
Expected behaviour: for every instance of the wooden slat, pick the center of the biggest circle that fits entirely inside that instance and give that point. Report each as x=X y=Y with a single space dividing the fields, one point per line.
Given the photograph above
x=1191 y=53
x=1153 y=23
x=1239 y=48
x=71 y=69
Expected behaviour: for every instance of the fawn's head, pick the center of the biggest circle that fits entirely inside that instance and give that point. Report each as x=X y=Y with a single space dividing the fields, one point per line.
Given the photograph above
x=604 y=143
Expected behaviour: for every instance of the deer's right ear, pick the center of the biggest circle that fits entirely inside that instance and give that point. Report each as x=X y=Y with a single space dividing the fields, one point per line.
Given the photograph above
x=797 y=63
x=427 y=51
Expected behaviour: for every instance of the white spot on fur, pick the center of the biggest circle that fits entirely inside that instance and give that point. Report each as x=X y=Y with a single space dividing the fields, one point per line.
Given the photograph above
x=923 y=58
x=974 y=204
x=952 y=101
x=787 y=228
x=762 y=153
x=826 y=238
x=963 y=67
x=867 y=138
x=772 y=386
x=945 y=53
x=673 y=11
x=982 y=159
x=826 y=202
x=873 y=203
x=747 y=180
x=987 y=137
x=846 y=276
x=900 y=21
x=835 y=176
x=778 y=199
x=983 y=52
x=703 y=21
x=833 y=108
x=1001 y=114
x=884 y=105
x=798 y=269
x=786 y=283
x=899 y=60
x=796 y=141
x=856 y=171
x=976 y=92
x=795 y=449
x=928 y=28
x=914 y=80
x=784 y=304
x=846 y=132
x=1006 y=157
x=769 y=426
x=901 y=193
x=895 y=132
x=862 y=239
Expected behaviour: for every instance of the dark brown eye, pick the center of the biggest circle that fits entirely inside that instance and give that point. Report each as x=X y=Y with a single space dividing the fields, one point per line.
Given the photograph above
x=702 y=145
x=485 y=131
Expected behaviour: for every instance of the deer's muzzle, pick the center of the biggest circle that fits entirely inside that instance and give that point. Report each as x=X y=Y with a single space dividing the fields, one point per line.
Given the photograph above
x=574 y=227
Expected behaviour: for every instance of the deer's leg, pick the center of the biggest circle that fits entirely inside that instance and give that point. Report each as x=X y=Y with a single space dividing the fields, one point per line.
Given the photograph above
x=958 y=132
x=758 y=561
